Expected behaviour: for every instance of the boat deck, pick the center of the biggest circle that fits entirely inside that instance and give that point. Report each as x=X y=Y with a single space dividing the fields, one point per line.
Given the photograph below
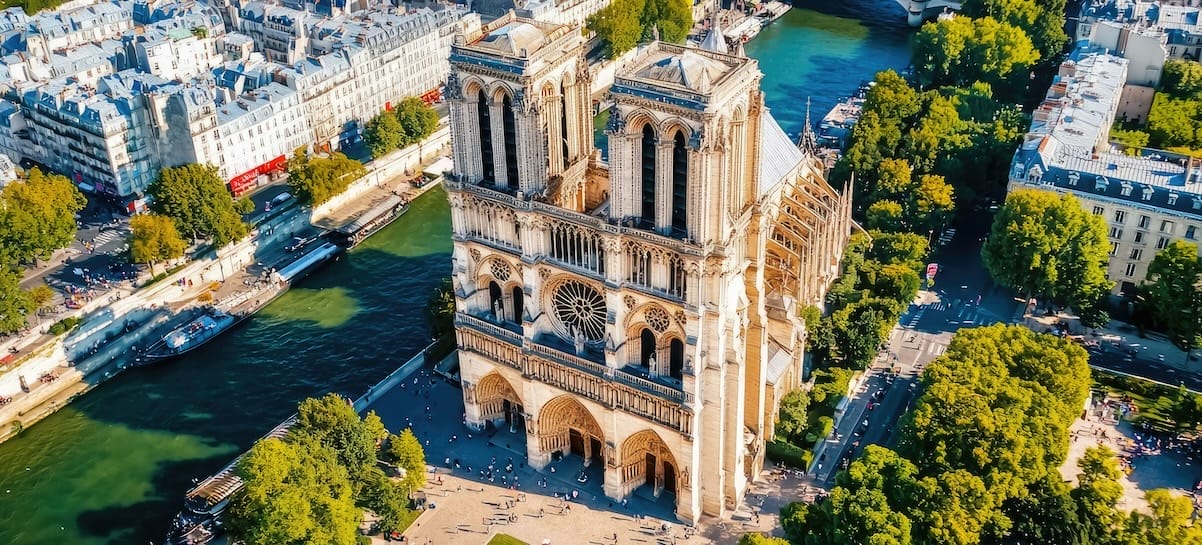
x=224 y=483
x=352 y=211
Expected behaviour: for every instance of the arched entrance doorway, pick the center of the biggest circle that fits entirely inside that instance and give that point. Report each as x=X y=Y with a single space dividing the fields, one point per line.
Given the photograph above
x=567 y=428
x=499 y=404
x=648 y=465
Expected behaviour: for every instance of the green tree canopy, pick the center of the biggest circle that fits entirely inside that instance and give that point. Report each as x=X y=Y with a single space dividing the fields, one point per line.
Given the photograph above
x=197 y=200
x=761 y=539
x=383 y=134
x=293 y=492
x=1045 y=244
x=998 y=404
x=624 y=22
x=1173 y=295
x=962 y=50
x=416 y=119
x=331 y=421
x=407 y=452
x=37 y=217
x=316 y=180
x=153 y=238
x=15 y=303
x=1181 y=78
x=791 y=422
x=1168 y=521
x=1041 y=20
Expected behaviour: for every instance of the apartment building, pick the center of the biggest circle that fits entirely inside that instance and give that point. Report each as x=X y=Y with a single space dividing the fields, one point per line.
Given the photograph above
x=257 y=131
x=1148 y=201
x=1178 y=22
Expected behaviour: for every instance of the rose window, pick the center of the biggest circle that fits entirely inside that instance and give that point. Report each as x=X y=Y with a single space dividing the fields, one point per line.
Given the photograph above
x=500 y=270
x=580 y=308
x=657 y=318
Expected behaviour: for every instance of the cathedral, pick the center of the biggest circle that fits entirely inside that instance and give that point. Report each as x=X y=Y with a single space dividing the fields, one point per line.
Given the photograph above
x=636 y=319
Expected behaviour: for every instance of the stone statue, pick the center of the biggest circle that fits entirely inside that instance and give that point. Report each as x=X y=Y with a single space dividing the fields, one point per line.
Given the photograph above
x=651 y=362
x=452 y=89
x=499 y=310
x=578 y=341
x=684 y=477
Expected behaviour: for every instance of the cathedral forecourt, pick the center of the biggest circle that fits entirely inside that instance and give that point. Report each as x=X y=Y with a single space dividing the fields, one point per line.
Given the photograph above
x=643 y=315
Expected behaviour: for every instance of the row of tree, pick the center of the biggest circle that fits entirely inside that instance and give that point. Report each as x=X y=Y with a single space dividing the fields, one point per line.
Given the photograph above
x=978 y=460
x=409 y=123
x=311 y=487
x=37 y=217
x=624 y=23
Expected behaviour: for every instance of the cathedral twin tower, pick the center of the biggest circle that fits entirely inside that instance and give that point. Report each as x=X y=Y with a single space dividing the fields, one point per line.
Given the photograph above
x=636 y=321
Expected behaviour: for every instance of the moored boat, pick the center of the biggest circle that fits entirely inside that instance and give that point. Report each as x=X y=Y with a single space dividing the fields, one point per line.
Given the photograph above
x=188 y=337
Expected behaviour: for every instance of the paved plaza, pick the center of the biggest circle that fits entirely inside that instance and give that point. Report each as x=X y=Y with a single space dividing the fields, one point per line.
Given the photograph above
x=1147 y=463
x=471 y=502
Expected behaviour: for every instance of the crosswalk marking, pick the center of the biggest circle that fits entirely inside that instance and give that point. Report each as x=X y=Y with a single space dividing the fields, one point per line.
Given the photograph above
x=107 y=237
x=936 y=349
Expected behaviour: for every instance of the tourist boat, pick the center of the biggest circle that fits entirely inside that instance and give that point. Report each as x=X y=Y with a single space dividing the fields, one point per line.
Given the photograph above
x=378 y=217
x=835 y=128
x=188 y=337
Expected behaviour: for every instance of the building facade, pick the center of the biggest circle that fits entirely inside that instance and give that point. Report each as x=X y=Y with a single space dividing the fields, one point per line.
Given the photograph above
x=1148 y=200
x=640 y=316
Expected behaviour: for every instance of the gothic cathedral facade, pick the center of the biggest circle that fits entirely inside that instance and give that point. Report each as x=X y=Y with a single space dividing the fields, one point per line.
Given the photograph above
x=643 y=313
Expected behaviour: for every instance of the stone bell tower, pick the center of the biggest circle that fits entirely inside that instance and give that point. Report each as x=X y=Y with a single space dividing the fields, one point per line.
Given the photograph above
x=519 y=100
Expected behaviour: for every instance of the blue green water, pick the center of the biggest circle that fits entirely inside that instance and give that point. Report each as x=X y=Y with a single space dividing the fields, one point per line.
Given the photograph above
x=112 y=467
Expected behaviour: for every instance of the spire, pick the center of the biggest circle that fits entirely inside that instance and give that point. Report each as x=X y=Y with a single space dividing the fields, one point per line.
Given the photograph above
x=739 y=51
x=715 y=41
x=808 y=141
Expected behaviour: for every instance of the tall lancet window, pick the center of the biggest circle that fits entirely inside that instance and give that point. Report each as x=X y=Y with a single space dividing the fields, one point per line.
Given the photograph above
x=680 y=194
x=484 y=120
x=511 y=143
x=563 y=123
x=648 y=209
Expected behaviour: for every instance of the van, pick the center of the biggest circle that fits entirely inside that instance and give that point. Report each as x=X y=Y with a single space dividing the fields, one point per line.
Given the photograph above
x=281 y=198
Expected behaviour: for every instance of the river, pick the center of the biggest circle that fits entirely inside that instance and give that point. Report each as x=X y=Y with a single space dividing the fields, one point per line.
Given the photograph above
x=111 y=468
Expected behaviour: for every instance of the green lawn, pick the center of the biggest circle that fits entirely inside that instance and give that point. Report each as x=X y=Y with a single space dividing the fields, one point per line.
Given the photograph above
x=505 y=539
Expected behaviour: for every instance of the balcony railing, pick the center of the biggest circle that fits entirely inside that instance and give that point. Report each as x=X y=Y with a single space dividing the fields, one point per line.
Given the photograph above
x=612 y=388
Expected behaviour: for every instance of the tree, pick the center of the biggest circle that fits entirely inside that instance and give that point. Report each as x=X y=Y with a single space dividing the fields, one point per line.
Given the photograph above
x=962 y=50
x=761 y=539
x=40 y=297
x=1186 y=409
x=791 y=422
x=1041 y=20
x=1168 y=520
x=416 y=119
x=244 y=206
x=15 y=304
x=407 y=452
x=387 y=498
x=933 y=203
x=1045 y=244
x=909 y=249
x=38 y=217
x=196 y=199
x=1173 y=123
x=1173 y=295
x=153 y=238
x=440 y=310
x=618 y=25
x=885 y=215
x=383 y=134
x=1045 y=514
x=1098 y=492
x=293 y=492
x=624 y=22
x=332 y=422
x=316 y=180
x=1181 y=79
x=673 y=18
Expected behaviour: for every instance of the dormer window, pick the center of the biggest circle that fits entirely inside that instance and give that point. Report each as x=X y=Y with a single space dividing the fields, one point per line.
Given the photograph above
x=1073 y=178
x=1147 y=196
x=1172 y=199
x=1035 y=174
x=1101 y=184
x=1126 y=191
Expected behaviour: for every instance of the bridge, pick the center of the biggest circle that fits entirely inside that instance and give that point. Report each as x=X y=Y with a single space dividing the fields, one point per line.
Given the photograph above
x=918 y=11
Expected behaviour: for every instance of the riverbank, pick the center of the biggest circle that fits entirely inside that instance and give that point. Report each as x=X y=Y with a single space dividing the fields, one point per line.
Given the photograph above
x=70 y=365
